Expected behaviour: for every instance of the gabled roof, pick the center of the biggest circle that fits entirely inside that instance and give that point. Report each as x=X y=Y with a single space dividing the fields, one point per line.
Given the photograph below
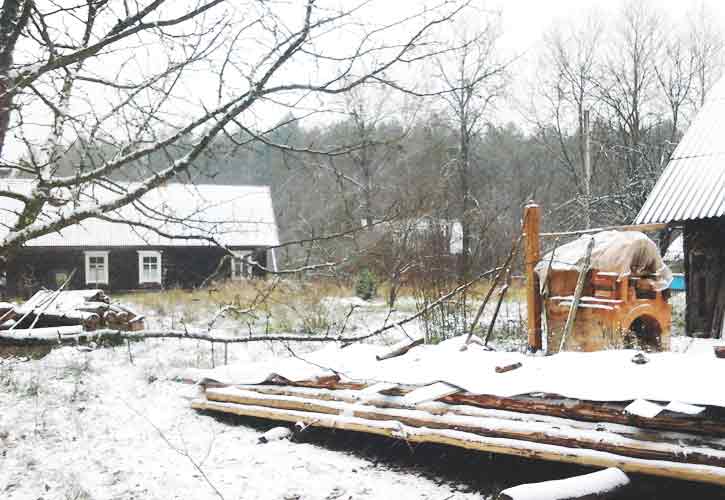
x=692 y=185
x=235 y=216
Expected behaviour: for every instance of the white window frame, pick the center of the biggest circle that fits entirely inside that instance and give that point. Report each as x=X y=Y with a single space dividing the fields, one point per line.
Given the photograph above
x=103 y=279
x=242 y=258
x=142 y=278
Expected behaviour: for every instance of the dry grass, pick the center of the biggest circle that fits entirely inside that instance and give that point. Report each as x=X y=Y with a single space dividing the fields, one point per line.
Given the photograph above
x=277 y=305
x=282 y=306
x=240 y=293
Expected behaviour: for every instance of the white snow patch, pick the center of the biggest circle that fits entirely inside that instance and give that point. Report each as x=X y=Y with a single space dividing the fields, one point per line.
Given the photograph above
x=576 y=487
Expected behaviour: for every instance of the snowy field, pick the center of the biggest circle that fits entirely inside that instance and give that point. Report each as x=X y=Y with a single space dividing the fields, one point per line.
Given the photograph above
x=98 y=424
x=89 y=425
x=102 y=424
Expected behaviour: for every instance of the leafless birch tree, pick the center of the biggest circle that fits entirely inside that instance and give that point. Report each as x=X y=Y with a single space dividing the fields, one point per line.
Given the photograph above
x=121 y=81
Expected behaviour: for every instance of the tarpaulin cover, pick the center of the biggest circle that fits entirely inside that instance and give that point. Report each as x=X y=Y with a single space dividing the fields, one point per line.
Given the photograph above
x=622 y=252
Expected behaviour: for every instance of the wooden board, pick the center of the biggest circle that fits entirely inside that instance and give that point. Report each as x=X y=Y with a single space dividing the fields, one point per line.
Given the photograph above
x=526 y=449
x=492 y=425
x=430 y=393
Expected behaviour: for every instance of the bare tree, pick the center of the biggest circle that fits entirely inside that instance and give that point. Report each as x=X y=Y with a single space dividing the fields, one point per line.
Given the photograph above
x=627 y=85
x=565 y=97
x=124 y=81
x=676 y=72
x=473 y=77
x=706 y=45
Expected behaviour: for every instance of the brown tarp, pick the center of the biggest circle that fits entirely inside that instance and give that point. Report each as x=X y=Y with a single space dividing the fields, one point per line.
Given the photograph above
x=622 y=252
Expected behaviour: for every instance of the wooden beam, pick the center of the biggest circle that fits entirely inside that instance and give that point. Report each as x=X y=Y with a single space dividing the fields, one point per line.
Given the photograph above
x=532 y=254
x=526 y=449
x=441 y=407
x=546 y=406
x=496 y=425
x=644 y=228
x=574 y=306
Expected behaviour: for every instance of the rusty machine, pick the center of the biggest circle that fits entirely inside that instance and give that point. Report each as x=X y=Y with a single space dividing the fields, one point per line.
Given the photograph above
x=606 y=289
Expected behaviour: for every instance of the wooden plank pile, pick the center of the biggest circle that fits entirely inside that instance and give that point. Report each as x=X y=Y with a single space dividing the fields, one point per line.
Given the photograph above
x=67 y=312
x=689 y=447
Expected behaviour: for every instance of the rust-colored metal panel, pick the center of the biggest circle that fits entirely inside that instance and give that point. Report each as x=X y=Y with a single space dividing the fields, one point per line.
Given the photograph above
x=614 y=312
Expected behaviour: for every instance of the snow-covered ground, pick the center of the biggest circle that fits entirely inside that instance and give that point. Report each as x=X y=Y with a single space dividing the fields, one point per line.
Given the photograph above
x=100 y=424
x=91 y=425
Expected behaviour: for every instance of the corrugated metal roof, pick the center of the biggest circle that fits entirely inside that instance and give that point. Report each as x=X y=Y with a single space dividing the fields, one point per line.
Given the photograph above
x=236 y=216
x=692 y=185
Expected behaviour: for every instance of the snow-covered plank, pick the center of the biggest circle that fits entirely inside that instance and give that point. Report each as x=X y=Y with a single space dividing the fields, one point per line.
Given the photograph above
x=561 y=432
x=529 y=449
x=587 y=299
x=375 y=389
x=644 y=408
x=585 y=305
x=430 y=393
x=677 y=407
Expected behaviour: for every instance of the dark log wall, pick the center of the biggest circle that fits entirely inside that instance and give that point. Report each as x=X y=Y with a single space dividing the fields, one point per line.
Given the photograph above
x=182 y=267
x=704 y=248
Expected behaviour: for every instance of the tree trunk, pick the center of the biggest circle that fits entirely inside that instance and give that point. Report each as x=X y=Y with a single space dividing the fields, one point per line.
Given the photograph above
x=13 y=19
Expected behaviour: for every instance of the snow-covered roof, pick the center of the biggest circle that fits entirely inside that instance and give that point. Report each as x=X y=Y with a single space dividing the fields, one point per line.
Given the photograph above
x=234 y=216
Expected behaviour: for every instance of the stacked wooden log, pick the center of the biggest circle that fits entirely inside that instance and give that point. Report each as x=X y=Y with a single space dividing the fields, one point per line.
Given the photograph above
x=86 y=310
x=690 y=448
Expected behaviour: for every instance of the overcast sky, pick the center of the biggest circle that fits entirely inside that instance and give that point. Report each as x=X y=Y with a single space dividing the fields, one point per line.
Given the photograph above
x=526 y=21
x=523 y=26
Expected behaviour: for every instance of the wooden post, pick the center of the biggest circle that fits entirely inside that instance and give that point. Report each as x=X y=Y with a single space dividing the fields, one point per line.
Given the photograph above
x=532 y=228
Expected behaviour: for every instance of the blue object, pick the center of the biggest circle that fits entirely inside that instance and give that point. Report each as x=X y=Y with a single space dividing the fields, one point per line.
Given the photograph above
x=678 y=282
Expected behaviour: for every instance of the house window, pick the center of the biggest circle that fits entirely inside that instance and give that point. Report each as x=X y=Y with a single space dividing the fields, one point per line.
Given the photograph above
x=241 y=266
x=149 y=267
x=96 y=268
x=58 y=277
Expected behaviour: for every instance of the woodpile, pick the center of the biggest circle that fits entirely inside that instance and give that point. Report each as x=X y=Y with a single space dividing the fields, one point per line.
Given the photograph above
x=546 y=427
x=82 y=310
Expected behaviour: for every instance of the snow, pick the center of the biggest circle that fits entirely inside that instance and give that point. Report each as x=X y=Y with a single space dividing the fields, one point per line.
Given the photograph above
x=232 y=215
x=577 y=487
x=677 y=407
x=643 y=408
x=593 y=376
x=89 y=425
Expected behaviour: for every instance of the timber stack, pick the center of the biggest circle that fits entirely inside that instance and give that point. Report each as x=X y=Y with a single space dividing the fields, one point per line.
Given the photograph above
x=67 y=312
x=536 y=427
x=535 y=411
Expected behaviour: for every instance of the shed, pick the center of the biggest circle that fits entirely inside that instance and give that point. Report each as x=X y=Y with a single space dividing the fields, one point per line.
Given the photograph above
x=175 y=235
x=690 y=194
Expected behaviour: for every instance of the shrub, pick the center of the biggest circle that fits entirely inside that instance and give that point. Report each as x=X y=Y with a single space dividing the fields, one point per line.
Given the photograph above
x=365 y=287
